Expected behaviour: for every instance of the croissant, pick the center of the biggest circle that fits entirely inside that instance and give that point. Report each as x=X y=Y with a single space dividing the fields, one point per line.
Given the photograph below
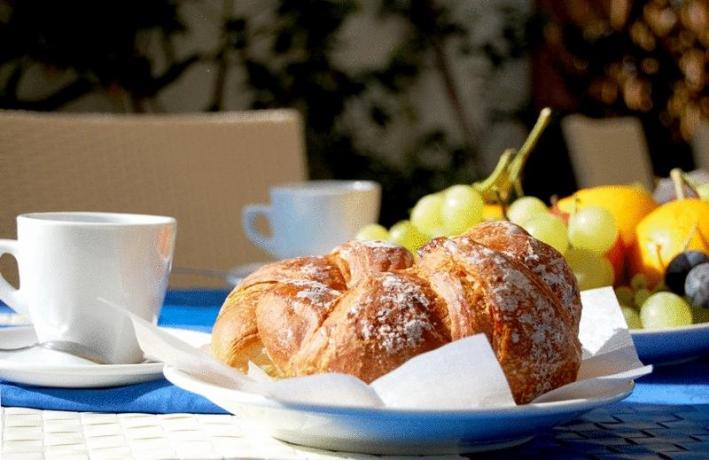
x=366 y=308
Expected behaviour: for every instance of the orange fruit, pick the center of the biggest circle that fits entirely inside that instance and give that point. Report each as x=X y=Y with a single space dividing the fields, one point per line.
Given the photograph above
x=492 y=212
x=628 y=204
x=668 y=230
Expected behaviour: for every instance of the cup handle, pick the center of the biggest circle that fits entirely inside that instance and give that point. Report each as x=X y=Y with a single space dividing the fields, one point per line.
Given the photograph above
x=248 y=220
x=9 y=294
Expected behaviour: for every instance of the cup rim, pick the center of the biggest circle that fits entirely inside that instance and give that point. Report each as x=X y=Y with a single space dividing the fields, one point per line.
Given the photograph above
x=95 y=219
x=327 y=186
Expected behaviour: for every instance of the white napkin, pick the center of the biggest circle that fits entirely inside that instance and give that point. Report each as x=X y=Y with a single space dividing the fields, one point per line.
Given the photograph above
x=608 y=348
x=609 y=354
x=461 y=375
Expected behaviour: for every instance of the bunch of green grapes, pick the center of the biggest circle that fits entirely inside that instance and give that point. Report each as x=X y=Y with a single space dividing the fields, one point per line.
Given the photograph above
x=455 y=210
x=447 y=213
x=584 y=238
x=584 y=241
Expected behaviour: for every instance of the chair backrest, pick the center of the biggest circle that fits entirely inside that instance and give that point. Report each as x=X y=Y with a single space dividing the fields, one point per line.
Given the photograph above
x=607 y=151
x=700 y=146
x=199 y=168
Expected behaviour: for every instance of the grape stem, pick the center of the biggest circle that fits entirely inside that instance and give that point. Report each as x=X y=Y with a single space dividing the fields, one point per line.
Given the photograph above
x=676 y=175
x=490 y=187
x=503 y=204
x=658 y=253
x=681 y=182
x=689 y=239
x=520 y=159
x=506 y=179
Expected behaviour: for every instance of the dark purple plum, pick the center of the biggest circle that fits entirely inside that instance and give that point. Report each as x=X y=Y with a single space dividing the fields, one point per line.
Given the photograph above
x=696 y=286
x=679 y=267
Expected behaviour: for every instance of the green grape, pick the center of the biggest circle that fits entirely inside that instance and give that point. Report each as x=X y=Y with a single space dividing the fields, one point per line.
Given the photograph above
x=638 y=281
x=593 y=228
x=462 y=208
x=641 y=295
x=526 y=208
x=700 y=315
x=549 y=229
x=625 y=295
x=439 y=231
x=404 y=233
x=591 y=269
x=426 y=215
x=632 y=318
x=372 y=232
x=665 y=309
x=661 y=286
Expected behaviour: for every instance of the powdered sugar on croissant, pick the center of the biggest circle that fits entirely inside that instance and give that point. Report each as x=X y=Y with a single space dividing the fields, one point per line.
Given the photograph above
x=366 y=308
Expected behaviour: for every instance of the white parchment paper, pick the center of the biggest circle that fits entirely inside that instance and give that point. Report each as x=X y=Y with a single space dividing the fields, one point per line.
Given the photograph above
x=462 y=374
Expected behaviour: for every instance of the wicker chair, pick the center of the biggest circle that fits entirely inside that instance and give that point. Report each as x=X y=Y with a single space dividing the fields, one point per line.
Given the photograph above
x=700 y=146
x=199 y=168
x=607 y=151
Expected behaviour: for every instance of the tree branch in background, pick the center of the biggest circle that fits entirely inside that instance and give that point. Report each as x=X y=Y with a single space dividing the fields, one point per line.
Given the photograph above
x=9 y=93
x=68 y=93
x=222 y=58
x=431 y=22
x=458 y=106
x=137 y=103
x=173 y=72
x=168 y=47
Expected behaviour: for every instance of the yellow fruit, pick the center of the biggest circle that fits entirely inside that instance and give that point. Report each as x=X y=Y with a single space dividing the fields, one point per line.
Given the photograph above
x=492 y=212
x=668 y=230
x=628 y=204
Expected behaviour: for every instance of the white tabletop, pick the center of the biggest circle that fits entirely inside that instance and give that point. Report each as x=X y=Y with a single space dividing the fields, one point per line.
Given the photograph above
x=29 y=434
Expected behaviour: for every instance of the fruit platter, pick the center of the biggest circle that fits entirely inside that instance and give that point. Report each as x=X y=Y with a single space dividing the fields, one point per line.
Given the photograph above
x=656 y=255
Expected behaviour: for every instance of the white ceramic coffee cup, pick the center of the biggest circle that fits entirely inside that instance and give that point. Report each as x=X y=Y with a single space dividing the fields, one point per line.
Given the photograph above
x=73 y=265
x=310 y=218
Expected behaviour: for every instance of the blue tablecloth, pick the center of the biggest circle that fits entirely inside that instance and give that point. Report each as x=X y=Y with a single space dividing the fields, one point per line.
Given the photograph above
x=182 y=309
x=686 y=384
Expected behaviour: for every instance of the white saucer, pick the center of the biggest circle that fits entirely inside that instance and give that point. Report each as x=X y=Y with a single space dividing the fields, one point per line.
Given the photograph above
x=397 y=431
x=238 y=273
x=49 y=368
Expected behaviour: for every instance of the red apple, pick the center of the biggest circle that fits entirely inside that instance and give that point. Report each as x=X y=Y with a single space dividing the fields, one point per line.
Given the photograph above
x=616 y=256
x=564 y=216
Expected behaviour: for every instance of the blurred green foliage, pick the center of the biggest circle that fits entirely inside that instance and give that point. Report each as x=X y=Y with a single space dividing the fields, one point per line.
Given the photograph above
x=128 y=48
x=100 y=42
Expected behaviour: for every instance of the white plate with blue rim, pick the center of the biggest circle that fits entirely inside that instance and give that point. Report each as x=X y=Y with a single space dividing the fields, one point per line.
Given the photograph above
x=396 y=431
x=669 y=346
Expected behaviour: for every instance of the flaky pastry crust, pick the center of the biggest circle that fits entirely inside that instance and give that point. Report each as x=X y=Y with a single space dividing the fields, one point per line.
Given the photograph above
x=366 y=308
